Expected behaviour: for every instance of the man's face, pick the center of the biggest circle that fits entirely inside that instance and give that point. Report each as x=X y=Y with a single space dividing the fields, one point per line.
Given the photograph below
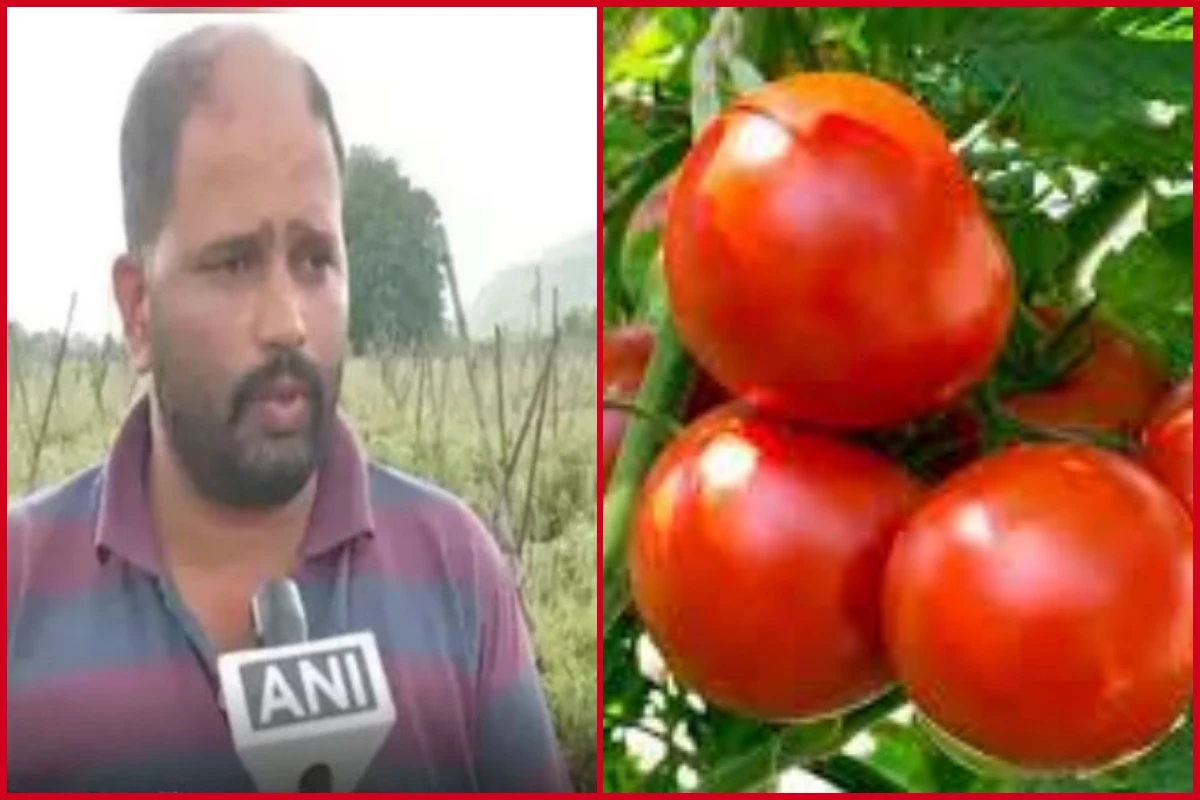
x=245 y=297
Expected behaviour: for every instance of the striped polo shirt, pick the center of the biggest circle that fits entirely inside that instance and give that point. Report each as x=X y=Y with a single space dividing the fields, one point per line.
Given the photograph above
x=113 y=687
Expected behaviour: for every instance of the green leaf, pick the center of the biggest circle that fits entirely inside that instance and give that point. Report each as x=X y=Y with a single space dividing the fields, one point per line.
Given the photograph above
x=948 y=774
x=1168 y=210
x=1168 y=768
x=619 y=24
x=651 y=54
x=747 y=769
x=1087 y=94
x=1038 y=247
x=900 y=754
x=640 y=251
x=1084 y=83
x=652 y=168
x=657 y=47
x=1146 y=288
x=1150 y=23
x=1169 y=217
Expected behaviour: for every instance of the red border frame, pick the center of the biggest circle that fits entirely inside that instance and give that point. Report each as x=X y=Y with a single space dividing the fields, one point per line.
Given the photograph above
x=599 y=345
x=599 y=689
x=599 y=494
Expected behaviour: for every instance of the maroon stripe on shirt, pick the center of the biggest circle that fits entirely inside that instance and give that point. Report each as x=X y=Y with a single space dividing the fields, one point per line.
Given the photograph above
x=113 y=716
x=435 y=714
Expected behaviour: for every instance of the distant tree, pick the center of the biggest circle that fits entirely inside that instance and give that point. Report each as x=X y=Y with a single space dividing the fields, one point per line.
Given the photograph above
x=396 y=248
x=579 y=323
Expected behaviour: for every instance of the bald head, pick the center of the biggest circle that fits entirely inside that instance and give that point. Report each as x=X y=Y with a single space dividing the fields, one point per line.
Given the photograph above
x=221 y=71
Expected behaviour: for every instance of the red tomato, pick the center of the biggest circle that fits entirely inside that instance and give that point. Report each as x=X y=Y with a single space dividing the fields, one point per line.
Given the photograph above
x=1177 y=399
x=828 y=258
x=1114 y=390
x=1167 y=442
x=756 y=563
x=1038 y=607
x=627 y=351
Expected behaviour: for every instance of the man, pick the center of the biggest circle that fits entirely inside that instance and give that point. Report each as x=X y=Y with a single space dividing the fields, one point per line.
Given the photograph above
x=127 y=582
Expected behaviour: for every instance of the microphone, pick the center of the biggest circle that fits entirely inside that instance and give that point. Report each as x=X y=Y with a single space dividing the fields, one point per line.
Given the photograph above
x=305 y=715
x=277 y=614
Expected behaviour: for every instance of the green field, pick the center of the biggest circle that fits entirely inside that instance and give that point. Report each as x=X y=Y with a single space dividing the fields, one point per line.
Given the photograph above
x=427 y=426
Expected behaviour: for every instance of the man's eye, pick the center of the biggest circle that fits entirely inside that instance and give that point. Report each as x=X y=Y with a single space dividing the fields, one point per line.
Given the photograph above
x=233 y=264
x=315 y=262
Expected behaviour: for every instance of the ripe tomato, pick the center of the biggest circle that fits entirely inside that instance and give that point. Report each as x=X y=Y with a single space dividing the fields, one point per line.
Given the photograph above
x=1114 y=390
x=1167 y=442
x=626 y=353
x=828 y=258
x=1038 y=607
x=756 y=563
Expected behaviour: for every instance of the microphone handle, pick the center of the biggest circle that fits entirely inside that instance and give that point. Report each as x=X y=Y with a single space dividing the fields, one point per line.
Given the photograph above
x=317 y=778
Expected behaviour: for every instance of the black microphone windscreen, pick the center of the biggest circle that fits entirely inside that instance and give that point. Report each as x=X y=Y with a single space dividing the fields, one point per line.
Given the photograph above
x=278 y=614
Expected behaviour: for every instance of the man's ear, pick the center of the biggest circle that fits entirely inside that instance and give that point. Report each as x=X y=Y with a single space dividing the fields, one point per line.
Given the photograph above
x=131 y=289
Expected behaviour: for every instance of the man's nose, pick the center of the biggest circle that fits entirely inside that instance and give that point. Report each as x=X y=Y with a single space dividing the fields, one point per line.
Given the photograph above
x=280 y=308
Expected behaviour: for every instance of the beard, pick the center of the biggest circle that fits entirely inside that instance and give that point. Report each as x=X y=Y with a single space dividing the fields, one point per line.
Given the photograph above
x=228 y=458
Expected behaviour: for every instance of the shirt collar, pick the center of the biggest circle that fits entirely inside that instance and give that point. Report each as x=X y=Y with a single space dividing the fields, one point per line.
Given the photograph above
x=341 y=509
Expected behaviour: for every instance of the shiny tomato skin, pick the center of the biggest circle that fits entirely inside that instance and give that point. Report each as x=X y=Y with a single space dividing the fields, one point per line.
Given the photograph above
x=1114 y=390
x=828 y=259
x=757 y=554
x=1038 y=608
x=1167 y=443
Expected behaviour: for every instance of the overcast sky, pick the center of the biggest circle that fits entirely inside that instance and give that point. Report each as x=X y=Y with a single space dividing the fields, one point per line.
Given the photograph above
x=494 y=111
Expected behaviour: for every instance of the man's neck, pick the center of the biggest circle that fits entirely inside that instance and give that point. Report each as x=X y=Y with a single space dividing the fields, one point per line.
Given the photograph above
x=198 y=534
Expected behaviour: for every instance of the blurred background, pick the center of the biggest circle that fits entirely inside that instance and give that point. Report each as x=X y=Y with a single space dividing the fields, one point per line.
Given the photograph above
x=470 y=217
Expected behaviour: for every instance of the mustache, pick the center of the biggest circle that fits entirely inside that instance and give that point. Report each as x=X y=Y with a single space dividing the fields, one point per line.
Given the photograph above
x=290 y=363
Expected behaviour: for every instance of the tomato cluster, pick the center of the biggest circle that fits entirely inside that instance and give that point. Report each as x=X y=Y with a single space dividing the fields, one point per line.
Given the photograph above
x=832 y=272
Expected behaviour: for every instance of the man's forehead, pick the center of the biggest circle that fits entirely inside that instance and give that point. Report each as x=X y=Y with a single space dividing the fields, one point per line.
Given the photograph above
x=251 y=71
x=255 y=114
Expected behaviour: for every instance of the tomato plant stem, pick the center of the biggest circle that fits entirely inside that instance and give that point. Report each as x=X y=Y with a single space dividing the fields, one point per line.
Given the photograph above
x=1003 y=428
x=668 y=376
x=616 y=404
